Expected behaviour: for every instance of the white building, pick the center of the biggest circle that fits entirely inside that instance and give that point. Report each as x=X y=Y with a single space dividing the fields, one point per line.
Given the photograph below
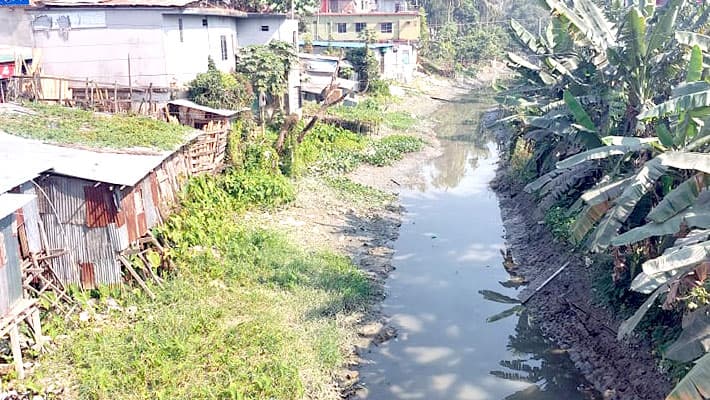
x=140 y=42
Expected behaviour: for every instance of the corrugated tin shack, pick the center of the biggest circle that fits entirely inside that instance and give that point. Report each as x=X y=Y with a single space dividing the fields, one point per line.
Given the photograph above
x=19 y=226
x=94 y=204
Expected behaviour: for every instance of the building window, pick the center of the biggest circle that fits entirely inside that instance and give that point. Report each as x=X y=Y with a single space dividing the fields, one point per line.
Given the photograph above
x=265 y=28
x=360 y=26
x=386 y=27
x=223 y=46
x=342 y=27
x=180 y=29
x=204 y=22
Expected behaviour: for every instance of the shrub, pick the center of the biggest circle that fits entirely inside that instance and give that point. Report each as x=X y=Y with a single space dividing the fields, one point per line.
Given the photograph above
x=220 y=90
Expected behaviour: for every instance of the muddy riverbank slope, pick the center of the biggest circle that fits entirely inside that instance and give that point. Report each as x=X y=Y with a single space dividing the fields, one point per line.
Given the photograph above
x=565 y=309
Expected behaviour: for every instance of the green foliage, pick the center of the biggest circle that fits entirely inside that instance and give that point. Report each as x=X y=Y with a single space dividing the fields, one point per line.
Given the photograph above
x=326 y=150
x=520 y=161
x=364 y=63
x=559 y=222
x=75 y=126
x=390 y=149
x=217 y=89
x=267 y=66
x=357 y=192
x=400 y=120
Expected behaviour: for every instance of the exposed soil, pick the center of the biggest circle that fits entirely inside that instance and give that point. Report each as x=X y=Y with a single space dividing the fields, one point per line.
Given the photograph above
x=564 y=309
x=321 y=218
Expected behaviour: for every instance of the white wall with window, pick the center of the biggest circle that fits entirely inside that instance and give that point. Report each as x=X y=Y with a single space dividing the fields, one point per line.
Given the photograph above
x=191 y=39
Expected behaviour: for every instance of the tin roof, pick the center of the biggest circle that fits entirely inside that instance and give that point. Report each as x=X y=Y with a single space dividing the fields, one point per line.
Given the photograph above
x=11 y=202
x=15 y=174
x=114 y=3
x=110 y=167
x=216 y=111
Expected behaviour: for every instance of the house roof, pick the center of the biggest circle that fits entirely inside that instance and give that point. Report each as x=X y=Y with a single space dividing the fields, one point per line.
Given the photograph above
x=319 y=87
x=216 y=111
x=15 y=174
x=124 y=169
x=10 y=53
x=11 y=202
x=114 y=3
x=347 y=45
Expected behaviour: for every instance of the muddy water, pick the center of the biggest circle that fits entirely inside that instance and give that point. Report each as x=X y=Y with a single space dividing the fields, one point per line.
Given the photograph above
x=448 y=251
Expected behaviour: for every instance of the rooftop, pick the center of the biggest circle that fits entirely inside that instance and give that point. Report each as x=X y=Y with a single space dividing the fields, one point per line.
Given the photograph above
x=22 y=154
x=63 y=125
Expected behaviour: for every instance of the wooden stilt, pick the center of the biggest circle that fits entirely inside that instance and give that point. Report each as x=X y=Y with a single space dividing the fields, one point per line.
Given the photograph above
x=16 y=352
x=136 y=277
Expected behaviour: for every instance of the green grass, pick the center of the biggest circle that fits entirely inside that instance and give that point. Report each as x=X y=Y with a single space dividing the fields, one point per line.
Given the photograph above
x=248 y=316
x=390 y=149
x=400 y=120
x=75 y=126
x=357 y=192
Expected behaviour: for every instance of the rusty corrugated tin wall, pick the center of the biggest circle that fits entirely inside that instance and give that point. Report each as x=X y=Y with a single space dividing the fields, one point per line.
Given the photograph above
x=10 y=274
x=94 y=221
x=86 y=224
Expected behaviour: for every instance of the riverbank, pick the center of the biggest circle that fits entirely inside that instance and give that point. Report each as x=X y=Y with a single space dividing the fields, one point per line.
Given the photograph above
x=566 y=309
x=359 y=215
x=277 y=281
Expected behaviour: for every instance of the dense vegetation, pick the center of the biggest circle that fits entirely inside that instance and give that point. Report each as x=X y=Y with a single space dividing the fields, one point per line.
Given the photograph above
x=609 y=116
x=218 y=89
x=466 y=33
x=247 y=313
x=75 y=126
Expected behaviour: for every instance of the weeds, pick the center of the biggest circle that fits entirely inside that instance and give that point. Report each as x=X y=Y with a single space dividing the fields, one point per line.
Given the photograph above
x=70 y=125
x=390 y=149
x=520 y=161
x=559 y=222
x=249 y=314
x=400 y=120
x=357 y=192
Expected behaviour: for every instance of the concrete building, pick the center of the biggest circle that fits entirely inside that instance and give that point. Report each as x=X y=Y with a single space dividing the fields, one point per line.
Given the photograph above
x=138 y=42
x=341 y=24
x=388 y=26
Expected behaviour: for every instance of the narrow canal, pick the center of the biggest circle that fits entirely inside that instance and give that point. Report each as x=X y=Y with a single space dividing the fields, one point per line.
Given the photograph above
x=454 y=343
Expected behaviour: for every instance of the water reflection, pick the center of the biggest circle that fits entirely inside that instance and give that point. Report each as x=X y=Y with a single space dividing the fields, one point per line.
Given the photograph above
x=549 y=370
x=463 y=141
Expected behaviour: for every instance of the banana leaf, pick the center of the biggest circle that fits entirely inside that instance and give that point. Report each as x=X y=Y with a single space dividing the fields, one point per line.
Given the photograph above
x=695 y=236
x=695 y=66
x=505 y=314
x=694 y=341
x=680 y=258
x=644 y=283
x=627 y=141
x=598 y=154
x=527 y=38
x=693 y=39
x=580 y=115
x=601 y=30
x=498 y=297
x=690 y=87
x=691 y=218
x=605 y=192
x=679 y=198
x=696 y=383
x=543 y=180
x=686 y=160
x=677 y=105
x=630 y=324
x=662 y=32
x=586 y=220
x=642 y=182
x=664 y=135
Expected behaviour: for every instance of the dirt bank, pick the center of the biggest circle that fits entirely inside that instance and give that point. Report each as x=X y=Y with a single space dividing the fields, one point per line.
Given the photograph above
x=323 y=217
x=564 y=309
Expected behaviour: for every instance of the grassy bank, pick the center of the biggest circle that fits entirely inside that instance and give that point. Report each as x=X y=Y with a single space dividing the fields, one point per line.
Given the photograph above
x=248 y=313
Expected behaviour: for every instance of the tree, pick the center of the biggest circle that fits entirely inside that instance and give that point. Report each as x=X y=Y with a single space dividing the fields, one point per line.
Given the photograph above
x=267 y=67
x=220 y=90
